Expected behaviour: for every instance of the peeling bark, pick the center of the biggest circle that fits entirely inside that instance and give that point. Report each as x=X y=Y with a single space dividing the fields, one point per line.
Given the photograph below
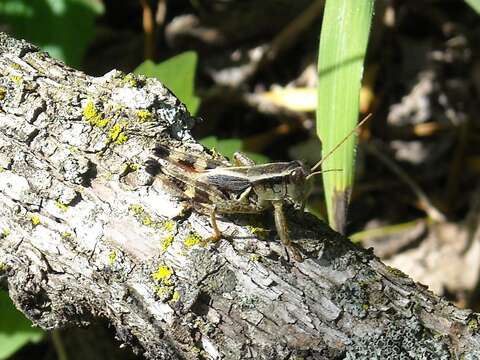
x=87 y=232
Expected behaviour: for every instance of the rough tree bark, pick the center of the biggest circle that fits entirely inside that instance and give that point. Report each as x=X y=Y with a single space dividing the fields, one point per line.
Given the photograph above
x=87 y=232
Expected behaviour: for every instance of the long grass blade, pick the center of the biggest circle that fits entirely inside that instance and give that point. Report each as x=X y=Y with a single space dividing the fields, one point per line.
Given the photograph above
x=475 y=4
x=343 y=43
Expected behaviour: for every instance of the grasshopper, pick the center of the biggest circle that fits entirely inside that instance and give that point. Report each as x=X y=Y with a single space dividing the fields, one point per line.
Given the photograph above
x=219 y=187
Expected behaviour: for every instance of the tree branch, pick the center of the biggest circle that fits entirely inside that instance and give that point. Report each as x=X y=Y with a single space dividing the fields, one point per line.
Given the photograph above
x=87 y=232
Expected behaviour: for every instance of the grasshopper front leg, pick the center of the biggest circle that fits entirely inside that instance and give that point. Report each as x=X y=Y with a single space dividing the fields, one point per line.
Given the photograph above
x=282 y=230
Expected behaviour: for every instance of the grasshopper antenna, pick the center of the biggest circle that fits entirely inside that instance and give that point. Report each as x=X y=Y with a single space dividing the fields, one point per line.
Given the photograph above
x=320 y=172
x=318 y=164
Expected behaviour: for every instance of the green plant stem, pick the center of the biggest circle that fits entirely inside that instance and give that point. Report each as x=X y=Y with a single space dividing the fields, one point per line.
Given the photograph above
x=58 y=345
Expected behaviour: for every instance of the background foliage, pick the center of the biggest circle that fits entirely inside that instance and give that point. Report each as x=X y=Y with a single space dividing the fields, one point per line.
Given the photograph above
x=15 y=329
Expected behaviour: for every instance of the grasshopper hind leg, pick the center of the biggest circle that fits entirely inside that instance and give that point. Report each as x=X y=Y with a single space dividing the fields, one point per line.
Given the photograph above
x=212 y=212
x=217 y=234
x=282 y=230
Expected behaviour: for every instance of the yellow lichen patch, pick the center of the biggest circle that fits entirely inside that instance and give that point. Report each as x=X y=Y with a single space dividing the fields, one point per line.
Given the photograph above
x=192 y=240
x=125 y=169
x=35 y=219
x=94 y=117
x=108 y=176
x=144 y=115
x=5 y=232
x=102 y=122
x=89 y=111
x=66 y=235
x=121 y=139
x=137 y=209
x=116 y=133
x=190 y=191
x=254 y=257
x=169 y=225
x=61 y=205
x=129 y=167
x=141 y=214
x=195 y=350
x=163 y=292
x=130 y=80
x=3 y=92
x=112 y=257
x=3 y=267
x=147 y=220
x=472 y=324
x=144 y=217
x=167 y=242
x=259 y=232
x=175 y=296
x=163 y=274
x=133 y=167
x=165 y=288
x=16 y=79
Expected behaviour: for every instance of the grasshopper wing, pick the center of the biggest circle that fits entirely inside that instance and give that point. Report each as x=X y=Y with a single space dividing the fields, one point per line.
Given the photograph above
x=231 y=184
x=191 y=160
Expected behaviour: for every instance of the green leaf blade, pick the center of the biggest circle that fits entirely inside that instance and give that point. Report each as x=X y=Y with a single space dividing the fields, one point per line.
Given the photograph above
x=474 y=4
x=228 y=147
x=178 y=74
x=343 y=43
x=64 y=28
x=15 y=330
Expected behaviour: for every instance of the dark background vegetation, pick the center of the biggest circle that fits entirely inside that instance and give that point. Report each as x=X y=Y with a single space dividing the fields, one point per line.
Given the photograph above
x=417 y=193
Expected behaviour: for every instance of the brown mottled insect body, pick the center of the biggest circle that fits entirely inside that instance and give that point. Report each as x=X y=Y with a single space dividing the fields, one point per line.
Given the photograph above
x=215 y=186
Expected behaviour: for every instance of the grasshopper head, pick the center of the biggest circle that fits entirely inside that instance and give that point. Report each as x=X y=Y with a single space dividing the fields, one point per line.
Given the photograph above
x=298 y=186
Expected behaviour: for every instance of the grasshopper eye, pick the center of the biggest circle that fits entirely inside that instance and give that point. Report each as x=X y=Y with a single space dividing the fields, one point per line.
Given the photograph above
x=297 y=175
